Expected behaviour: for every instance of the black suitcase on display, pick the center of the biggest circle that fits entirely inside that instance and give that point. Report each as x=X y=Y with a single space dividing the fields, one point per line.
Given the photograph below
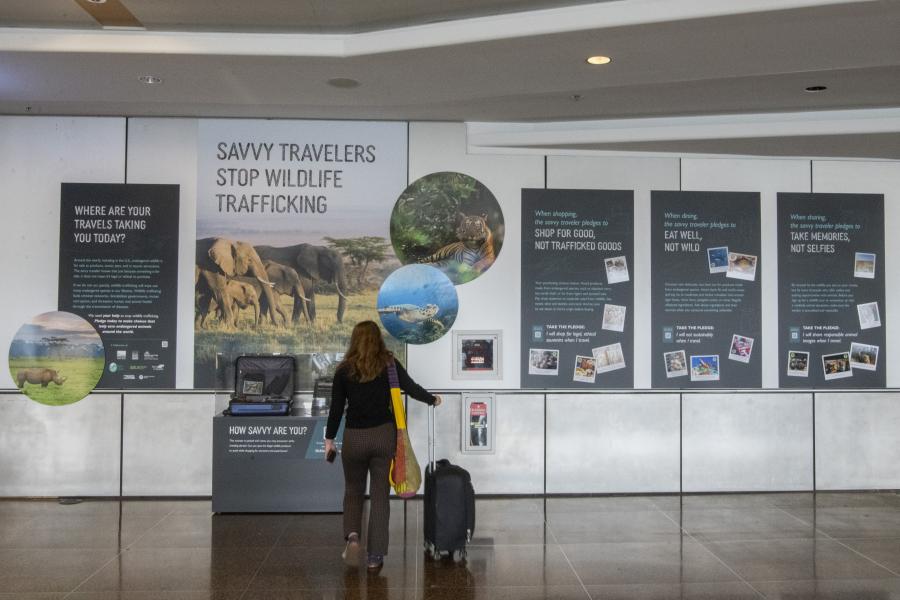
x=449 y=505
x=263 y=385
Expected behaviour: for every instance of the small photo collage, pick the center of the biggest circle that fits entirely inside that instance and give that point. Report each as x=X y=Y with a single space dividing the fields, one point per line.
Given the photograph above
x=861 y=356
x=836 y=365
x=736 y=265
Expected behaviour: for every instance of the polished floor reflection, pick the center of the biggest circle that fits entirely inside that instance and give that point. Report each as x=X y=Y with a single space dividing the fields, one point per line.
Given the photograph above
x=835 y=546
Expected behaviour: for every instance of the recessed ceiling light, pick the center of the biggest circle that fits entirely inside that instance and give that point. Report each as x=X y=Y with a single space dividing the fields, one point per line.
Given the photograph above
x=599 y=60
x=343 y=82
x=97 y=1
x=816 y=88
x=150 y=79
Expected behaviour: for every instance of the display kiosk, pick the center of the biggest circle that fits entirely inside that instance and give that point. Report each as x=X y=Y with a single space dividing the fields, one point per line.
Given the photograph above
x=276 y=463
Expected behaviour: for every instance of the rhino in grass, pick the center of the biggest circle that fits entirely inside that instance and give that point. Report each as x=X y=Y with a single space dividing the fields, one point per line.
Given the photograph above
x=38 y=376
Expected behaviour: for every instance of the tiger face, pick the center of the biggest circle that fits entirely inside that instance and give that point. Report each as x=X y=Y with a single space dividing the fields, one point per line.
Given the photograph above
x=472 y=230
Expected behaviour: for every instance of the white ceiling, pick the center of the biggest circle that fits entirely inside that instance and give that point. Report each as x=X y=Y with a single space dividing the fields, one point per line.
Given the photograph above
x=268 y=16
x=671 y=58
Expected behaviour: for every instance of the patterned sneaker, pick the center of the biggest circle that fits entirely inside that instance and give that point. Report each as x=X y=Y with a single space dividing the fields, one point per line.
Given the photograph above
x=351 y=551
x=375 y=562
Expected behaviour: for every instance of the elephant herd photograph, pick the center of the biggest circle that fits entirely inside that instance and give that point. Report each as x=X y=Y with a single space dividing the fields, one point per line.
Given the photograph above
x=296 y=299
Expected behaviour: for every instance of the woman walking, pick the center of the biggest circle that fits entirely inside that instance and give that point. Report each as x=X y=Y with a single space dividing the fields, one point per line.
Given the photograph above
x=370 y=436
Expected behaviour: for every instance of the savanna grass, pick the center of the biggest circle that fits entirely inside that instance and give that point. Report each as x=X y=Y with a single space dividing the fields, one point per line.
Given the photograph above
x=81 y=374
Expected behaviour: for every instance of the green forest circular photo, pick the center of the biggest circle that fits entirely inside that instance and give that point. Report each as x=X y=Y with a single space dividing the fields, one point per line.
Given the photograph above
x=450 y=221
x=57 y=358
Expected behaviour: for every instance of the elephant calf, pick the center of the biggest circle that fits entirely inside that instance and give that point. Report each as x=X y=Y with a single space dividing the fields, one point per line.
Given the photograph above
x=38 y=376
x=264 y=307
x=287 y=282
x=243 y=295
x=238 y=294
x=220 y=260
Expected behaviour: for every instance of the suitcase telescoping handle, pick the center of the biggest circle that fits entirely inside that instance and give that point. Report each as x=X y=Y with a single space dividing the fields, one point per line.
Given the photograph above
x=431 y=436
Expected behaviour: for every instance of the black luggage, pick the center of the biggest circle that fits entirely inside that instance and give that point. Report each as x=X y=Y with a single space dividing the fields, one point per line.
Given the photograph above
x=449 y=505
x=263 y=385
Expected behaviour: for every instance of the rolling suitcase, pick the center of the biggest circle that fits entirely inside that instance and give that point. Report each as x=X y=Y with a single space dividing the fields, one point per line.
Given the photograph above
x=449 y=505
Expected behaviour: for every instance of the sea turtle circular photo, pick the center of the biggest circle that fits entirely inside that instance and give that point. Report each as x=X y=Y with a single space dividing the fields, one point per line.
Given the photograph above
x=56 y=358
x=448 y=220
x=417 y=304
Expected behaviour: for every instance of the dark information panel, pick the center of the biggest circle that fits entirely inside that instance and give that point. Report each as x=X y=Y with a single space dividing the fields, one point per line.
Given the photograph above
x=118 y=268
x=274 y=464
x=705 y=289
x=831 y=266
x=577 y=288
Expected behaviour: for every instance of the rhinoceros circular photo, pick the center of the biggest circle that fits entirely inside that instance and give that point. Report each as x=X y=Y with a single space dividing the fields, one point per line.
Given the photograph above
x=56 y=358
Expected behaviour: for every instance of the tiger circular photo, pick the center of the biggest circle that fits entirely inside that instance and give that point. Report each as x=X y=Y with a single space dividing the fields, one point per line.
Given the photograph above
x=417 y=304
x=57 y=358
x=450 y=221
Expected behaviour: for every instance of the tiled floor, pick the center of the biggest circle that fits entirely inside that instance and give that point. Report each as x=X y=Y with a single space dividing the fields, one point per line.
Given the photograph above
x=788 y=546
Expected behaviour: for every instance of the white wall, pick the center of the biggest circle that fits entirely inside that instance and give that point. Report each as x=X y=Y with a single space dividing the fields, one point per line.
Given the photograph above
x=492 y=300
x=856 y=434
x=517 y=464
x=50 y=450
x=612 y=444
x=749 y=441
x=59 y=450
x=856 y=441
x=167 y=448
x=37 y=154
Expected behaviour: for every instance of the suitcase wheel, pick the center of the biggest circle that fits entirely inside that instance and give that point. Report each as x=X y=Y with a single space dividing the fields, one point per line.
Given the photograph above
x=459 y=555
x=430 y=551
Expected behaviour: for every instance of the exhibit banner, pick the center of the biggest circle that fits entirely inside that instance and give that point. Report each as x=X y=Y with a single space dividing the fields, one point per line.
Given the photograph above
x=705 y=290
x=831 y=291
x=577 y=289
x=118 y=268
x=293 y=239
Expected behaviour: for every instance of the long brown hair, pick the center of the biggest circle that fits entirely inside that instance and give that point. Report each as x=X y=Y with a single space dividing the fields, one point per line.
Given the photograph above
x=367 y=355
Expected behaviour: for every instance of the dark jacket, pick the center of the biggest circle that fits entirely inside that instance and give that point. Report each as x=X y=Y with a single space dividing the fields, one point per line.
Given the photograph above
x=368 y=404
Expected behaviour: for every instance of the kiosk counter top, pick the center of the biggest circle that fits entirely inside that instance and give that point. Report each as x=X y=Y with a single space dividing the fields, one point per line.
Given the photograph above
x=275 y=464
